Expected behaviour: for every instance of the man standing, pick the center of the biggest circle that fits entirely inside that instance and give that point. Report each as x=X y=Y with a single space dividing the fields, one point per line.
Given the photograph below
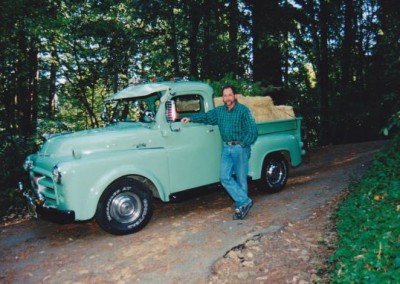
x=238 y=131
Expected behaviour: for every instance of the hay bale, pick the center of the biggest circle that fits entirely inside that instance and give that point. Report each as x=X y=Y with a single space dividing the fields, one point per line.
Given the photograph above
x=282 y=112
x=263 y=108
x=218 y=102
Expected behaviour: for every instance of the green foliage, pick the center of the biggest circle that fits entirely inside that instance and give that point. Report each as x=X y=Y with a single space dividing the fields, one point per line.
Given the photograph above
x=71 y=112
x=242 y=86
x=369 y=224
x=394 y=124
x=13 y=151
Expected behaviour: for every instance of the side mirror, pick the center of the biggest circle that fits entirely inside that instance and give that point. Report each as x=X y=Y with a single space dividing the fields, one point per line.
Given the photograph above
x=171 y=113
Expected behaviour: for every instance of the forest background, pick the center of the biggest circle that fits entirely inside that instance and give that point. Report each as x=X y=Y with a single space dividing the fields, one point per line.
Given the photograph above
x=336 y=62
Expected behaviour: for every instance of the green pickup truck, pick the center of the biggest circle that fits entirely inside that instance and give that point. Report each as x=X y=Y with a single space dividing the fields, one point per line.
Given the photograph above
x=113 y=173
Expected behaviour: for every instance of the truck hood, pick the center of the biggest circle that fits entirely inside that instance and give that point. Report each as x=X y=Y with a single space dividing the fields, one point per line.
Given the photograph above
x=120 y=136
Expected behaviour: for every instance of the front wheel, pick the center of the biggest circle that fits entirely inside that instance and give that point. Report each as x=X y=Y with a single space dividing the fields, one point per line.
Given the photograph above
x=125 y=207
x=274 y=173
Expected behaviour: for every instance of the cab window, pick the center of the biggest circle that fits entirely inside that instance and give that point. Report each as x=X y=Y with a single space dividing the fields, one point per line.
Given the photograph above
x=189 y=104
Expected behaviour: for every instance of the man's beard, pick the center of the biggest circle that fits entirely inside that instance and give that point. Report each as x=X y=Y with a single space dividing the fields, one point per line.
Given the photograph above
x=229 y=103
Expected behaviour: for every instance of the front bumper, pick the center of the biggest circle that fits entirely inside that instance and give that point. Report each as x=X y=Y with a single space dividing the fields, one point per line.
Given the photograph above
x=37 y=209
x=55 y=215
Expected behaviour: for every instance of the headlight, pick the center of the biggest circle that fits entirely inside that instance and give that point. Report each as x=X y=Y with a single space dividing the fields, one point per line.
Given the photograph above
x=56 y=174
x=28 y=165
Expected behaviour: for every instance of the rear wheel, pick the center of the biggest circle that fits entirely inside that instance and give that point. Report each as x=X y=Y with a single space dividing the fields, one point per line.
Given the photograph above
x=274 y=173
x=125 y=207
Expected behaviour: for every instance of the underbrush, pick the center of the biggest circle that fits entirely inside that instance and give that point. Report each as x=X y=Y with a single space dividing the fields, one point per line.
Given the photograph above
x=13 y=151
x=369 y=224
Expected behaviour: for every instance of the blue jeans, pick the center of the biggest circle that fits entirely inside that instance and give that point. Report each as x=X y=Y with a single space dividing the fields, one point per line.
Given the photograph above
x=235 y=159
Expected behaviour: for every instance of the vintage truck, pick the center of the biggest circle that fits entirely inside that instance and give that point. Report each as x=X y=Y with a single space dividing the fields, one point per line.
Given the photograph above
x=113 y=173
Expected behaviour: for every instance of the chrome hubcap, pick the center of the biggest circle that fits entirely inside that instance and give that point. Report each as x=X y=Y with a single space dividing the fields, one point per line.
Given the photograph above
x=125 y=207
x=275 y=173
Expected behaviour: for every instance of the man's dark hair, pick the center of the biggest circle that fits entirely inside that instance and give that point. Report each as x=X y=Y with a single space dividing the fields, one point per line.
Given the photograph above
x=229 y=87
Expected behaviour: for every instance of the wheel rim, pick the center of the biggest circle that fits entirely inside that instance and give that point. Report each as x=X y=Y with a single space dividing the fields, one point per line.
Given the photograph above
x=125 y=207
x=275 y=173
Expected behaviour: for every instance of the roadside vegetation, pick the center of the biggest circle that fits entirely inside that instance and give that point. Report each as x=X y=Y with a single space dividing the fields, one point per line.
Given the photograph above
x=369 y=224
x=13 y=150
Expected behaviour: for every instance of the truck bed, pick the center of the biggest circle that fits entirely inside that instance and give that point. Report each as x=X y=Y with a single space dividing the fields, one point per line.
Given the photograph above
x=281 y=125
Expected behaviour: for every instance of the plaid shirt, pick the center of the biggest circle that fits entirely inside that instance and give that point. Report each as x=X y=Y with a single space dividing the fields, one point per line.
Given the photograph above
x=237 y=124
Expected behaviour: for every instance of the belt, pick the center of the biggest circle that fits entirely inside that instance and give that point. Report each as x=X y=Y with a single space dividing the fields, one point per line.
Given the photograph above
x=231 y=143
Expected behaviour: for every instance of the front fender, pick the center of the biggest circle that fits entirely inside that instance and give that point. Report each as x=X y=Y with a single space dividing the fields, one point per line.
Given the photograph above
x=88 y=177
x=109 y=178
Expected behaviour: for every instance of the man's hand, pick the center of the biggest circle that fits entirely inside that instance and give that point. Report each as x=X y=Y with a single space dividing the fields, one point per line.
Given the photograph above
x=185 y=120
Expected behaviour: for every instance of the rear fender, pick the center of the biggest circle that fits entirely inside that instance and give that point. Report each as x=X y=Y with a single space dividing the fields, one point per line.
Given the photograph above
x=284 y=144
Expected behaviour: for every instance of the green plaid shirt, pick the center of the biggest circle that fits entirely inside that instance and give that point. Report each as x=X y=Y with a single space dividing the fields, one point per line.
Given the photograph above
x=237 y=124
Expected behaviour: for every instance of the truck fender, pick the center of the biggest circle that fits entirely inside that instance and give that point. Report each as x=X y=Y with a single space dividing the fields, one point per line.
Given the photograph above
x=274 y=144
x=106 y=180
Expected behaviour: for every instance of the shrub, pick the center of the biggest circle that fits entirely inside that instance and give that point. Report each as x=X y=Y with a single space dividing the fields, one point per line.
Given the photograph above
x=369 y=224
x=13 y=151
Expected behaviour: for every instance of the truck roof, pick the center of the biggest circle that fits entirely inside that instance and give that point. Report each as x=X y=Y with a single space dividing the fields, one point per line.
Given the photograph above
x=142 y=90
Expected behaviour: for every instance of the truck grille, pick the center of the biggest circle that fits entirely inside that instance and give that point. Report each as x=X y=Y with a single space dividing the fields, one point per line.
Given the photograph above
x=45 y=187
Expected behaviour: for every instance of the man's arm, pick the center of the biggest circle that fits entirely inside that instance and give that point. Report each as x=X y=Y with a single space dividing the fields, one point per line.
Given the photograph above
x=206 y=118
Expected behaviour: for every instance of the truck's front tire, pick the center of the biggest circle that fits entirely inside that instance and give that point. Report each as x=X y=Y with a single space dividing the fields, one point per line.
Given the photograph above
x=125 y=207
x=274 y=173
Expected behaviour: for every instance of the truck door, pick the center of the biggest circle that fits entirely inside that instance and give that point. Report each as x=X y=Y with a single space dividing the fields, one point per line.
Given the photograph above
x=194 y=149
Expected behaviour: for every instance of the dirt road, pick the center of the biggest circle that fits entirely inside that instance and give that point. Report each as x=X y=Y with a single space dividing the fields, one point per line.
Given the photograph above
x=183 y=240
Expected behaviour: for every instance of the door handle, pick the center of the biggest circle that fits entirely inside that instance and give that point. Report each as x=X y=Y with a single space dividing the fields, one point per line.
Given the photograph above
x=141 y=145
x=210 y=130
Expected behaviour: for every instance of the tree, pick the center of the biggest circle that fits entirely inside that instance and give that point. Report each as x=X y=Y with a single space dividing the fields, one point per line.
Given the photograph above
x=387 y=61
x=268 y=34
x=21 y=41
x=349 y=44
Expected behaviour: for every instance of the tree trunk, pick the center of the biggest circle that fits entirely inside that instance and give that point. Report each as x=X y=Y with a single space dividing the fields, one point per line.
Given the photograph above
x=233 y=63
x=205 y=63
x=348 y=44
x=195 y=19
x=267 y=63
x=323 y=79
x=174 y=45
x=52 y=85
x=26 y=92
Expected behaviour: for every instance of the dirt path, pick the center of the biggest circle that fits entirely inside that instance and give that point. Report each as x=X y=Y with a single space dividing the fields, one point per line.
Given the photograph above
x=186 y=242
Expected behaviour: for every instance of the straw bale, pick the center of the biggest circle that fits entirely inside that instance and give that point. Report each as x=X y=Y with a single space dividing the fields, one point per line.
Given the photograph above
x=218 y=102
x=283 y=112
x=187 y=106
x=263 y=108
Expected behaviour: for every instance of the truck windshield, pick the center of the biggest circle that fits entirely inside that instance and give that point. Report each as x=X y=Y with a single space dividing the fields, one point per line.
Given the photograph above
x=141 y=109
